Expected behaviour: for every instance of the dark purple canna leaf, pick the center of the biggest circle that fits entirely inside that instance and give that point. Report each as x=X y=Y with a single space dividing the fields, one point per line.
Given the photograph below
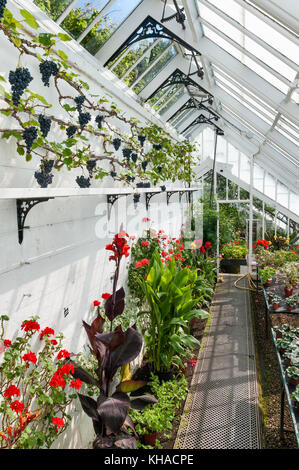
x=113 y=411
x=101 y=442
x=111 y=340
x=89 y=405
x=115 y=309
x=129 y=423
x=139 y=403
x=128 y=351
x=126 y=443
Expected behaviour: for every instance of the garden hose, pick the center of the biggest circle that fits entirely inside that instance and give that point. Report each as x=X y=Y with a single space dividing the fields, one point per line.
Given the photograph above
x=251 y=283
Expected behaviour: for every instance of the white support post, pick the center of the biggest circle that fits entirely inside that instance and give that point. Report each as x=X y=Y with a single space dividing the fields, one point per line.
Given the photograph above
x=250 y=217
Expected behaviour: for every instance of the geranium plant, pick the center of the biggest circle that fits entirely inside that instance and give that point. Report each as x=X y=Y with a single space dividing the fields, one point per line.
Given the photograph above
x=113 y=351
x=35 y=387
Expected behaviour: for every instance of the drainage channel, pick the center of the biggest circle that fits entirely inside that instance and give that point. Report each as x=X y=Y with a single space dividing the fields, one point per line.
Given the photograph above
x=222 y=407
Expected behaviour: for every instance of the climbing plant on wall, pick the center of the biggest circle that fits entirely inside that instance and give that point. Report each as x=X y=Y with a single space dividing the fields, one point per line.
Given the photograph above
x=133 y=153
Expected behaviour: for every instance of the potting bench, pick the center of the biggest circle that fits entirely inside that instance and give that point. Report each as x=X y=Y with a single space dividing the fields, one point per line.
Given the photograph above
x=286 y=391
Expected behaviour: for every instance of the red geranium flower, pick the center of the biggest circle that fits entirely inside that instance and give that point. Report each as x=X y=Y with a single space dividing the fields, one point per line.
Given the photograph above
x=58 y=422
x=7 y=343
x=66 y=369
x=12 y=390
x=106 y=296
x=138 y=264
x=76 y=384
x=54 y=342
x=145 y=243
x=30 y=357
x=46 y=332
x=145 y=262
x=57 y=381
x=145 y=219
x=63 y=353
x=30 y=325
x=96 y=303
x=17 y=406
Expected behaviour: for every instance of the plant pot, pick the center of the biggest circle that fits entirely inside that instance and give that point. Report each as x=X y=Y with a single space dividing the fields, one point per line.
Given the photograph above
x=270 y=299
x=293 y=381
x=150 y=439
x=288 y=361
x=288 y=291
x=282 y=351
x=290 y=308
x=268 y=283
x=192 y=322
x=278 y=335
x=275 y=306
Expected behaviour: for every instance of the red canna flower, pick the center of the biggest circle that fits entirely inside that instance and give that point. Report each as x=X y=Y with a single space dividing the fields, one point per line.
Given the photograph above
x=106 y=296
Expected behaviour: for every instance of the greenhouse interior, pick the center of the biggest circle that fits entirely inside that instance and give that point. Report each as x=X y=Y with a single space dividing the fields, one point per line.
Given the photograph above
x=149 y=202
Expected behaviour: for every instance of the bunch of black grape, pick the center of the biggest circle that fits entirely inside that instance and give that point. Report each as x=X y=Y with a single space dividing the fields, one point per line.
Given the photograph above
x=159 y=169
x=84 y=119
x=113 y=174
x=141 y=139
x=44 y=176
x=79 y=100
x=19 y=80
x=83 y=182
x=45 y=125
x=127 y=154
x=163 y=188
x=47 y=69
x=43 y=179
x=90 y=165
x=2 y=8
x=71 y=130
x=134 y=157
x=130 y=178
x=136 y=198
x=99 y=120
x=29 y=135
x=116 y=143
x=144 y=165
x=157 y=146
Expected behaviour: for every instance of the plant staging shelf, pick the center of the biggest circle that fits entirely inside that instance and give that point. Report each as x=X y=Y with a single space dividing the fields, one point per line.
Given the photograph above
x=286 y=391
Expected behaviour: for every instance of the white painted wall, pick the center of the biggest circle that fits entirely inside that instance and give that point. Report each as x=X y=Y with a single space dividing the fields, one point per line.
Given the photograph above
x=62 y=262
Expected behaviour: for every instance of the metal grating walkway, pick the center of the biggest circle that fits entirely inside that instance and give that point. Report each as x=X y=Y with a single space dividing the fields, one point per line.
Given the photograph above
x=222 y=410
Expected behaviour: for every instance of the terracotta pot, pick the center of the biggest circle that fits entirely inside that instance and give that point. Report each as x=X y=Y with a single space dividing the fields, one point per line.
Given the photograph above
x=278 y=334
x=275 y=306
x=288 y=291
x=192 y=322
x=294 y=382
x=268 y=283
x=282 y=351
x=288 y=361
x=290 y=308
x=150 y=439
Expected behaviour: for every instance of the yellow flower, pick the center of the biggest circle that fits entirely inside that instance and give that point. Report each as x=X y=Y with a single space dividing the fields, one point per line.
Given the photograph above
x=275 y=237
x=270 y=243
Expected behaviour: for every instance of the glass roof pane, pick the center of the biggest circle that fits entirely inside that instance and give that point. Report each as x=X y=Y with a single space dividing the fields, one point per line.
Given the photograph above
x=80 y=17
x=165 y=97
x=172 y=101
x=113 y=18
x=54 y=8
x=147 y=61
x=245 y=60
x=153 y=72
x=130 y=57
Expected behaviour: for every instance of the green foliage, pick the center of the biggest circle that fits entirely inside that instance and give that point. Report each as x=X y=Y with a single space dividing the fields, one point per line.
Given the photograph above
x=168 y=293
x=234 y=250
x=159 y=417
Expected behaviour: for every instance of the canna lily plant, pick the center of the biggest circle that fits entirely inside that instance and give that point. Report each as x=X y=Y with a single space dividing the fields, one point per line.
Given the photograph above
x=171 y=307
x=114 y=351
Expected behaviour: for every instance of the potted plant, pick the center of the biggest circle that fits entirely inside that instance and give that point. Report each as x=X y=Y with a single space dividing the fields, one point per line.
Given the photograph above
x=266 y=275
x=276 y=301
x=278 y=331
x=270 y=295
x=282 y=345
x=293 y=375
x=291 y=302
x=289 y=276
x=295 y=398
x=233 y=256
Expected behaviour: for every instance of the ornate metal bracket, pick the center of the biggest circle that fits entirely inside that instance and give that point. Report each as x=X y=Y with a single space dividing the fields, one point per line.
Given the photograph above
x=170 y=193
x=111 y=199
x=150 y=28
x=23 y=208
x=193 y=103
x=148 y=197
x=201 y=119
x=180 y=78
